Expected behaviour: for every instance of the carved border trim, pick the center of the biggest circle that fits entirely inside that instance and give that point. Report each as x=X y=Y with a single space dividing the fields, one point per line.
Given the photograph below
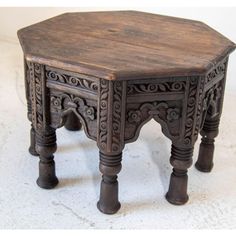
x=27 y=89
x=37 y=86
x=103 y=117
x=116 y=116
x=217 y=72
x=63 y=77
x=111 y=114
x=156 y=87
x=199 y=108
x=191 y=109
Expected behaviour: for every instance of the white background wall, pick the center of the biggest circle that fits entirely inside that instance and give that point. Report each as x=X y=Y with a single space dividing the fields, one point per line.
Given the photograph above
x=221 y=19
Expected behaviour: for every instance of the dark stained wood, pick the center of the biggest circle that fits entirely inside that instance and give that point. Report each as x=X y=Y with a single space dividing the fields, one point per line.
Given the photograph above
x=114 y=71
x=72 y=122
x=124 y=44
x=32 y=150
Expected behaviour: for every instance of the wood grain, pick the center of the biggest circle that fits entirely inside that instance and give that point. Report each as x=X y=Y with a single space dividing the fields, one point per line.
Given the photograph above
x=124 y=44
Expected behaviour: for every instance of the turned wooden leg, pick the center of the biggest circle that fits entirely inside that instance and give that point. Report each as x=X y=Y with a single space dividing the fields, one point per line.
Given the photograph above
x=206 y=152
x=181 y=160
x=72 y=122
x=110 y=166
x=46 y=146
x=32 y=148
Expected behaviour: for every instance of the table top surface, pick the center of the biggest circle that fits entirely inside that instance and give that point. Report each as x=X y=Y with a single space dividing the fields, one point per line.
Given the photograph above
x=124 y=44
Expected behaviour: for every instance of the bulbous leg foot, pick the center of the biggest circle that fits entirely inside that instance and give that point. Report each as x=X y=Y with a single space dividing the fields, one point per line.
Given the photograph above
x=110 y=166
x=181 y=160
x=32 y=149
x=47 y=177
x=108 y=202
x=46 y=146
x=205 y=157
x=206 y=151
x=177 y=193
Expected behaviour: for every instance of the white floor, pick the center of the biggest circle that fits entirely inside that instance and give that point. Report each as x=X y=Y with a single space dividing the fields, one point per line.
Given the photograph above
x=143 y=179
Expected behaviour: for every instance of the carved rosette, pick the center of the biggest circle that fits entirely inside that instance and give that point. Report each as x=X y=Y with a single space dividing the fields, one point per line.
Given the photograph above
x=168 y=114
x=166 y=111
x=61 y=104
x=111 y=113
x=180 y=105
x=160 y=109
x=68 y=102
x=180 y=118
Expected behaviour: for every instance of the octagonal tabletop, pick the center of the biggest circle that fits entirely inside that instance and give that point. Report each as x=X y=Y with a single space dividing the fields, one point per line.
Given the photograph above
x=124 y=44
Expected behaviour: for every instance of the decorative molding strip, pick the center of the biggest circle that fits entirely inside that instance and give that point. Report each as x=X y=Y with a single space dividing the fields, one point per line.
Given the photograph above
x=112 y=108
x=199 y=116
x=161 y=87
x=219 y=70
x=191 y=109
x=104 y=88
x=27 y=89
x=75 y=81
x=116 y=116
x=36 y=72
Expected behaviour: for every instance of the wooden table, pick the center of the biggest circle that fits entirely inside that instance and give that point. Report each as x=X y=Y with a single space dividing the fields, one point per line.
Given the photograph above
x=114 y=71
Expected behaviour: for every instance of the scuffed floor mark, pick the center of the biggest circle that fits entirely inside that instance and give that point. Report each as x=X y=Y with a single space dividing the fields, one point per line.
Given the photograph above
x=135 y=156
x=83 y=219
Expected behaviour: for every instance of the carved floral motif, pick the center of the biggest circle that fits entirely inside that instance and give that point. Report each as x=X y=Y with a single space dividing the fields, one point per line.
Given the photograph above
x=171 y=114
x=89 y=112
x=168 y=114
x=63 y=102
x=134 y=116
x=112 y=108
